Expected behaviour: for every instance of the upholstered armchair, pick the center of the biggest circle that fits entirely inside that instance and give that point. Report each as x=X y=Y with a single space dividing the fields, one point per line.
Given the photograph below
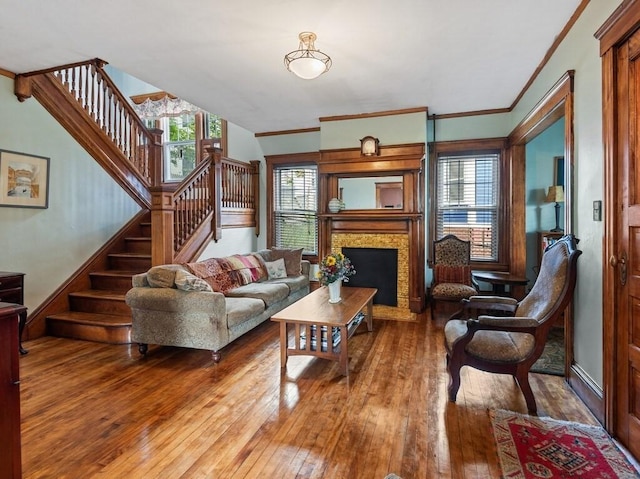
x=452 y=279
x=513 y=338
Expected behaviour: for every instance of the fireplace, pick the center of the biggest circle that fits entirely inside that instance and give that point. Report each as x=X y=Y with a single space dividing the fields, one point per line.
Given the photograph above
x=399 y=244
x=376 y=226
x=375 y=268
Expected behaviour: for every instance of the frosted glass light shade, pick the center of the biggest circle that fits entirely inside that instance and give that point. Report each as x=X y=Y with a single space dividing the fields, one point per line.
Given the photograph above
x=307 y=68
x=307 y=62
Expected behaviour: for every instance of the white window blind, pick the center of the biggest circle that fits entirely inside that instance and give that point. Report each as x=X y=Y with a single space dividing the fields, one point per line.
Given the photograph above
x=295 y=207
x=467 y=199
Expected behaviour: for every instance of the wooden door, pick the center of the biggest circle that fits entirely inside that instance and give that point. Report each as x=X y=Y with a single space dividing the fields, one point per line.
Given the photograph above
x=626 y=255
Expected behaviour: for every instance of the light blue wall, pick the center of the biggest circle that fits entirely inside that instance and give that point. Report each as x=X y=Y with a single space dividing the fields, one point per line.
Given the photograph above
x=390 y=130
x=494 y=125
x=86 y=207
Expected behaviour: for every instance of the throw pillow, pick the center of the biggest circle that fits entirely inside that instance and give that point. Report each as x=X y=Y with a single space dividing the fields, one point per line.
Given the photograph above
x=219 y=278
x=189 y=282
x=161 y=277
x=276 y=269
x=292 y=259
x=253 y=268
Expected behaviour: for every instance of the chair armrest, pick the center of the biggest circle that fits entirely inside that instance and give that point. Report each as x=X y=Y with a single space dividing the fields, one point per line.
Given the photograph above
x=489 y=304
x=503 y=321
x=494 y=299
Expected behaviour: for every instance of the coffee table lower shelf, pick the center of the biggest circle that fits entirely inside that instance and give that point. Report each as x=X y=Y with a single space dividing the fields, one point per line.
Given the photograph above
x=337 y=323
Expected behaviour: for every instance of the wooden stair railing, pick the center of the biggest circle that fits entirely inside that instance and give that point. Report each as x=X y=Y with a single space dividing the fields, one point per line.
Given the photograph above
x=218 y=188
x=101 y=120
x=239 y=205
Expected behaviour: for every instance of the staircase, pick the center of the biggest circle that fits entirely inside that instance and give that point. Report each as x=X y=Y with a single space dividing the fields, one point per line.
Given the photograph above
x=85 y=101
x=100 y=313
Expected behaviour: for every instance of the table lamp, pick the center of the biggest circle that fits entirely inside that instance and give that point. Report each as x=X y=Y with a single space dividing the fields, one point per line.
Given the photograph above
x=556 y=195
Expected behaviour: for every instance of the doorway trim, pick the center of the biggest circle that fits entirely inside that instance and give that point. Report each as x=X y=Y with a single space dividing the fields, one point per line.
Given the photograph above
x=555 y=104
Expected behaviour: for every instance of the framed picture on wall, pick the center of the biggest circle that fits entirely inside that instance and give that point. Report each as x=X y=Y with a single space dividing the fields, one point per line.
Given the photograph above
x=24 y=180
x=558 y=170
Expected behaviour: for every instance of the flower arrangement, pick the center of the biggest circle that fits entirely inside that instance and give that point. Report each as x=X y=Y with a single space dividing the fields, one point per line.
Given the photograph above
x=333 y=267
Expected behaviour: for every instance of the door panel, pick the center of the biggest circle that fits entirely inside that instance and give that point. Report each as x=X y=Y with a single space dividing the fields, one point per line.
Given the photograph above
x=627 y=356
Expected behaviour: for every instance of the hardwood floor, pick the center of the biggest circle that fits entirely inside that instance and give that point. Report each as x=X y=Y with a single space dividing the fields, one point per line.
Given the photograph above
x=99 y=410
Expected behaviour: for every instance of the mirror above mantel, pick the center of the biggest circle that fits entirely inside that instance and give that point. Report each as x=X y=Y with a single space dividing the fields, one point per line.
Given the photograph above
x=371 y=192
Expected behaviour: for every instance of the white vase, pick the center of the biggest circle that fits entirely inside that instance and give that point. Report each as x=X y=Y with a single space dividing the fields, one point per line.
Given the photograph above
x=334 y=291
x=334 y=205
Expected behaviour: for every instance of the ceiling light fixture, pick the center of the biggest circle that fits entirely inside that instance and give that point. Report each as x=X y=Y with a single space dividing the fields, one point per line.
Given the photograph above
x=307 y=62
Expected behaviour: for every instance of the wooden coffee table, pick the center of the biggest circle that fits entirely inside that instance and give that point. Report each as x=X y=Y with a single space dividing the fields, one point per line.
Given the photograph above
x=322 y=329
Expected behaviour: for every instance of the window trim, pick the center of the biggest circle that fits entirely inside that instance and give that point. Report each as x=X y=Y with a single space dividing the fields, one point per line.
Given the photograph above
x=476 y=147
x=287 y=160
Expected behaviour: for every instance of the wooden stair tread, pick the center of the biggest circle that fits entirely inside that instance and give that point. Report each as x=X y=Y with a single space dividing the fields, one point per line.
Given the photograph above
x=114 y=272
x=131 y=255
x=106 y=320
x=99 y=293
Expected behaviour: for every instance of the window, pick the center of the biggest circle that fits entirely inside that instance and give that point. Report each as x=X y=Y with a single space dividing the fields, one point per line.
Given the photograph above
x=468 y=200
x=179 y=143
x=182 y=135
x=295 y=191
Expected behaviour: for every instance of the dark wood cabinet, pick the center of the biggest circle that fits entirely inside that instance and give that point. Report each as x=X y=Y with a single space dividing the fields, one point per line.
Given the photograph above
x=12 y=291
x=10 y=455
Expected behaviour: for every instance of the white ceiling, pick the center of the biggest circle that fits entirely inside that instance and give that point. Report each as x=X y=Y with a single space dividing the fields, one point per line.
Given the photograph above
x=451 y=56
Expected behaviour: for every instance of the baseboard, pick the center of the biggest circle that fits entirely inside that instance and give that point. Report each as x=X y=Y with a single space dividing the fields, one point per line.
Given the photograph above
x=587 y=390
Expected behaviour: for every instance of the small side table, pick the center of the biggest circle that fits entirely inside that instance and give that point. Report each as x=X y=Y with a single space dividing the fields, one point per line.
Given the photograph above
x=499 y=280
x=12 y=291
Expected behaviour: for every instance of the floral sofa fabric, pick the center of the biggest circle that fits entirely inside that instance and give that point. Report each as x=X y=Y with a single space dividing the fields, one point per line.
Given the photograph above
x=196 y=306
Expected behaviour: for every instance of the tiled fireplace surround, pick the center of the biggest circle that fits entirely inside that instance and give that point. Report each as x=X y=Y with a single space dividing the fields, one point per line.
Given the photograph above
x=400 y=242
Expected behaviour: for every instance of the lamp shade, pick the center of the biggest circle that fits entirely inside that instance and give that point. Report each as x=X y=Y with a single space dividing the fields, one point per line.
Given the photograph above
x=555 y=194
x=307 y=62
x=307 y=68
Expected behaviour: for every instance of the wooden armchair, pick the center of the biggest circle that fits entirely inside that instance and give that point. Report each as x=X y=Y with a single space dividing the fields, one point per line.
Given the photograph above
x=510 y=341
x=451 y=263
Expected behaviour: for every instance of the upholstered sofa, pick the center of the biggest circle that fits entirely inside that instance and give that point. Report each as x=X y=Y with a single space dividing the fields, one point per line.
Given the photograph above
x=208 y=304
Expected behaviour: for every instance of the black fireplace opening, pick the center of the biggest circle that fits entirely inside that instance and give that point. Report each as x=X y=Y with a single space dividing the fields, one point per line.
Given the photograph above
x=375 y=268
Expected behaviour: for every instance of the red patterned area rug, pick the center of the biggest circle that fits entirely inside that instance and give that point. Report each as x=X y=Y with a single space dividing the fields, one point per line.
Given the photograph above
x=534 y=447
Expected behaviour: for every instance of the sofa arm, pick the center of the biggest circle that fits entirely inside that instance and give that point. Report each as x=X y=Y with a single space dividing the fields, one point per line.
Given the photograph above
x=305 y=266
x=171 y=317
x=139 y=280
x=169 y=299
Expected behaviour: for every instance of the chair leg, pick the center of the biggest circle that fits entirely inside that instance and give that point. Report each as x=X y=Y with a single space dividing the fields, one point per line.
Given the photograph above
x=453 y=367
x=525 y=387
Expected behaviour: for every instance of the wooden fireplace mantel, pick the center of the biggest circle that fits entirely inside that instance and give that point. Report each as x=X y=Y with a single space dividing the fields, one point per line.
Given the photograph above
x=405 y=161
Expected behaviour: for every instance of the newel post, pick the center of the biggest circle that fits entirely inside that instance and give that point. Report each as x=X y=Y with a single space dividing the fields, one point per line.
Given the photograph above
x=216 y=190
x=156 y=165
x=162 y=220
x=255 y=166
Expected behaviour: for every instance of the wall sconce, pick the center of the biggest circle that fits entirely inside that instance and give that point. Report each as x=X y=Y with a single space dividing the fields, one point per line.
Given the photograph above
x=369 y=146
